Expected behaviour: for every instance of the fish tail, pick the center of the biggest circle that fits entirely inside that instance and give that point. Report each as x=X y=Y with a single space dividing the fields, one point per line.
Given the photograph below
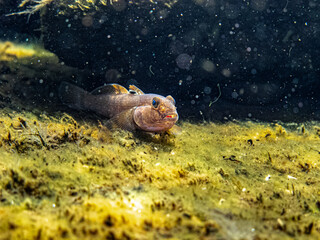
x=72 y=96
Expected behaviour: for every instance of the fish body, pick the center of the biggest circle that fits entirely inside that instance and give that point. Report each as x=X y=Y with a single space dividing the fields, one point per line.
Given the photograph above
x=130 y=110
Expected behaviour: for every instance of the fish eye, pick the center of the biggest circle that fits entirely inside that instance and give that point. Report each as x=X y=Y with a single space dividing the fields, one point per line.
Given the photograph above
x=155 y=102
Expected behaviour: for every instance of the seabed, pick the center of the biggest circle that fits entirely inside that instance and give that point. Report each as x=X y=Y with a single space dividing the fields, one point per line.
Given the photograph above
x=62 y=177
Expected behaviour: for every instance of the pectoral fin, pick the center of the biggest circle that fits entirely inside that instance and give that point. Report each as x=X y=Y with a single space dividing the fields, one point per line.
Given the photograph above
x=110 y=89
x=123 y=120
x=175 y=130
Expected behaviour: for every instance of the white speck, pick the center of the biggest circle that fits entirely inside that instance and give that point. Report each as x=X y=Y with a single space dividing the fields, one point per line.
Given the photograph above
x=204 y=188
x=252 y=230
x=244 y=189
x=155 y=148
x=41 y=81
x=173 y=153
x=53 y=205
x=248 y=49
x=221 y=201
x=268 y=177
x=290 y=177
x=157 y=164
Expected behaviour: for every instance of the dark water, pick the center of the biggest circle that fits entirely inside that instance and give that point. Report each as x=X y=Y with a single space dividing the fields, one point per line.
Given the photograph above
x=254 y=59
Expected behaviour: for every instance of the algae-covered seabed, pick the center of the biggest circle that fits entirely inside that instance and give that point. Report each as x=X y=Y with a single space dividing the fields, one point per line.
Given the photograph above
x=67 y=177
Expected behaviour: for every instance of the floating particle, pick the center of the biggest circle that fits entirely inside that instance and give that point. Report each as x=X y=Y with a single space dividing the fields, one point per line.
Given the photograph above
x=234 y=94
x=207 y=90
x=253 y=71
x=254 y=88
x=87 y=21
x=208 y=66
x=226 y=72
x=184 y=61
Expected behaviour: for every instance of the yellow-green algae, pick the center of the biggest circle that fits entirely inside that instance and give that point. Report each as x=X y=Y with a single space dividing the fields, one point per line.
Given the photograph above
x=87 y=6
x=62 y=178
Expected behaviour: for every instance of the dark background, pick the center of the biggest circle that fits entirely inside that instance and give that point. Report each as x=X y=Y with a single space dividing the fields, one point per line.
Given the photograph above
x=220 y=60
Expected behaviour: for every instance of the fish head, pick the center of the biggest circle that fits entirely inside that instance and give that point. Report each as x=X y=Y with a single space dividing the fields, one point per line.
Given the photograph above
x=159 y=115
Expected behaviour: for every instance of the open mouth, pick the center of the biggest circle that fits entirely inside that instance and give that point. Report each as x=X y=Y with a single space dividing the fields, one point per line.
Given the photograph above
x=172 y=116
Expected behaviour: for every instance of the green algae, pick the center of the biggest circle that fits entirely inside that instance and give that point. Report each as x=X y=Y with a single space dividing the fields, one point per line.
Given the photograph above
x=64 y=7
x=62 y=178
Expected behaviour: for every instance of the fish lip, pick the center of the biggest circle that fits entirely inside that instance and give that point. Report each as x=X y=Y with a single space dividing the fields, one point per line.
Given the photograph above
x=171 y=116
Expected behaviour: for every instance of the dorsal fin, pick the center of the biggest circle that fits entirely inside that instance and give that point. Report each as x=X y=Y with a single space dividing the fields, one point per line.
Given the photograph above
x=136 y=89
x=110 y=89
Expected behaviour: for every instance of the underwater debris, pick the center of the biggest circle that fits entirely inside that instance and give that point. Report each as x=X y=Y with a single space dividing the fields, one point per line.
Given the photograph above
x=10 y=51
x=32 y=6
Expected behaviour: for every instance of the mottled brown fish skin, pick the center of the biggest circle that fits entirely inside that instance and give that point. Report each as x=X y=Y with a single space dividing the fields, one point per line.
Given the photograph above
x=146 y=112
